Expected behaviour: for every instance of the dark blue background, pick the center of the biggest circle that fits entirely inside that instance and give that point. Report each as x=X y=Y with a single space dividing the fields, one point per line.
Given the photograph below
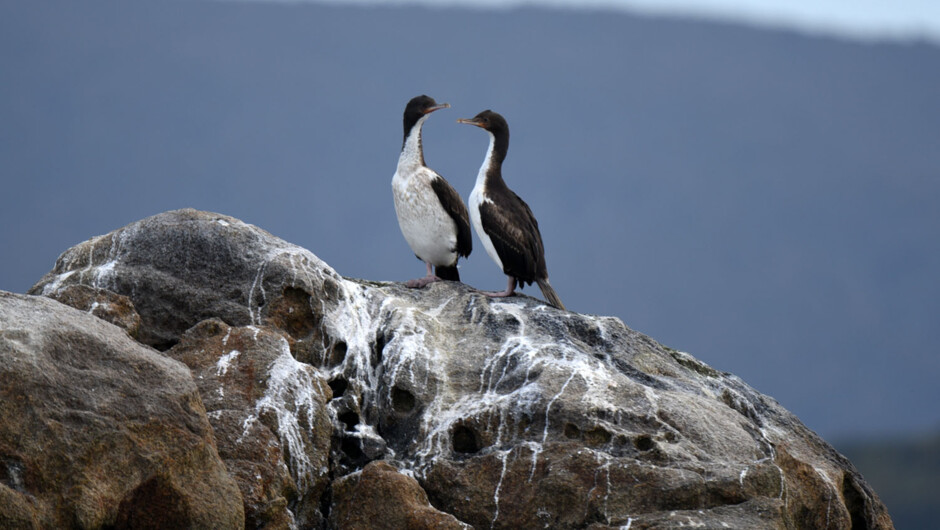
x=765 y=200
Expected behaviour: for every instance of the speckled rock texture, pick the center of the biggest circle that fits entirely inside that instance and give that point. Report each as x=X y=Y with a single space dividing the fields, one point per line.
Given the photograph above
x=439 y=404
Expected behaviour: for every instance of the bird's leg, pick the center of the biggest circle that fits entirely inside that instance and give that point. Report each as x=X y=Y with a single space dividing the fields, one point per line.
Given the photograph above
x=510 y=289
x=421 y=282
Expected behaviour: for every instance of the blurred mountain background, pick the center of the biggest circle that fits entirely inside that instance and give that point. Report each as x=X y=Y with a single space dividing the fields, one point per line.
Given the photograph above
x=905 y=471
x=766 y=199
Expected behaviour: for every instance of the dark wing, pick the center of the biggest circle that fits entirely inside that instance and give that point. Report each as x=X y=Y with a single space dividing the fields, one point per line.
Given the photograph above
x=515 y=235
x=535 y=238
x=457 y=211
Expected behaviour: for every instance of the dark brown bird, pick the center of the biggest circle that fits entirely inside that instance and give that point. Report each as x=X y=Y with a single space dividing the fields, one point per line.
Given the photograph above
x=503 y=221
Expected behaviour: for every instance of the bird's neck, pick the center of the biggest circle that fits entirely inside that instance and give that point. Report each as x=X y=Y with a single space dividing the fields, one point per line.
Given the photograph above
x=491 y=172
x=412 y=153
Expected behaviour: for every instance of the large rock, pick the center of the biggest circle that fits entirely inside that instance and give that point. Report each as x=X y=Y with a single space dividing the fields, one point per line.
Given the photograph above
x=186 y=266
x=508 y=413
x=98 y=431
x=270 y=419
x=381 y=497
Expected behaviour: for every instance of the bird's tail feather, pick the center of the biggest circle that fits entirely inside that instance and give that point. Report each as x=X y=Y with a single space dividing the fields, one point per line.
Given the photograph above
x=550 y=295
x=447 y=273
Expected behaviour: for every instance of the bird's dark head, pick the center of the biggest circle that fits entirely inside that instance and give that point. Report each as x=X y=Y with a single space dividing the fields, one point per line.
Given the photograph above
x=421 y=105
x=496 y=125
x=417 y=108
x=489 y=120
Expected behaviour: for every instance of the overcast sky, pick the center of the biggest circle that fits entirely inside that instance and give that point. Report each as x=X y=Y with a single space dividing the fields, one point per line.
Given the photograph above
x=856 y=18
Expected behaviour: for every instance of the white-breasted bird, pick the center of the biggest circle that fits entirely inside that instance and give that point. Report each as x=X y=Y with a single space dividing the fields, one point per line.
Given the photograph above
x=431 y=214
x=503 y=221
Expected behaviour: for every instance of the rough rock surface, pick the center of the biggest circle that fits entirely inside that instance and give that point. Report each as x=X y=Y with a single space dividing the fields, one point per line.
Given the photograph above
x=380 y=496
x=508 y=413
x=270 y=419
x=97 y=430
x=104 y=304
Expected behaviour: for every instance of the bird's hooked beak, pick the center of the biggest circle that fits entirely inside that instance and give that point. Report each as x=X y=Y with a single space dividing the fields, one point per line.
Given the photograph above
x=470 y=121
x=436 y=107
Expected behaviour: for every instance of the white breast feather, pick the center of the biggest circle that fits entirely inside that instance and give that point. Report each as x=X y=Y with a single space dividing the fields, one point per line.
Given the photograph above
x=428 y=229
x=477 y=197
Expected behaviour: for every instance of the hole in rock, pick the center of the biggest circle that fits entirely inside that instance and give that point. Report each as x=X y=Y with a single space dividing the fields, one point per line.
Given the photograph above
x=350 y=419
x=572 y=431
x=378 y=348
x=598 y=436
x=465 y=440
x=352 y=448
x=158 y=344
x=402 y=400
x=338 y=385
x=158 y=502
x=644 y=442
x=336 y=353
x=326 y=503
